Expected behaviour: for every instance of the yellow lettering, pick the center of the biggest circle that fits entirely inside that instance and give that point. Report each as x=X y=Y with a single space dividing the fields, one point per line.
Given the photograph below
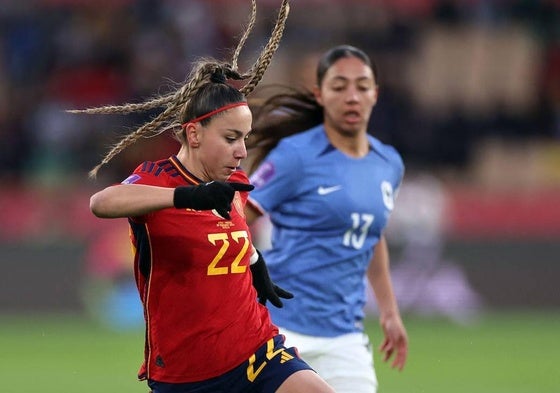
x=270 y=352
x=251 y=373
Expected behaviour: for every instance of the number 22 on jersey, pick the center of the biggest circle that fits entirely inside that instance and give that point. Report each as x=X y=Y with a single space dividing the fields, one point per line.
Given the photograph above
x=222 y=240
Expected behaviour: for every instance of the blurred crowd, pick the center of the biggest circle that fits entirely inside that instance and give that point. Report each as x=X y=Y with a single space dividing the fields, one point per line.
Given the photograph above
x=452 y=71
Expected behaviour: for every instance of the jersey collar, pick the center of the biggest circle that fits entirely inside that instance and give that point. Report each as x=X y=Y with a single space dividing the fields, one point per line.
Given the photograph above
x=189 y=177
x=374 y=144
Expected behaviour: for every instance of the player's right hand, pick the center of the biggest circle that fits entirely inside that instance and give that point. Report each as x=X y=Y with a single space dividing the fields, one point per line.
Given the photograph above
x=208 y=196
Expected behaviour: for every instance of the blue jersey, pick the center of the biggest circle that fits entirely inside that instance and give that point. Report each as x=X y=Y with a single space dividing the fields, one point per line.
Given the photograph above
x=328 y=211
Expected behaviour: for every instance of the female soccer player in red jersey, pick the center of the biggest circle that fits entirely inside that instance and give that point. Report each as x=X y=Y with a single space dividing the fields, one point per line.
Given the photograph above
x=197 y=272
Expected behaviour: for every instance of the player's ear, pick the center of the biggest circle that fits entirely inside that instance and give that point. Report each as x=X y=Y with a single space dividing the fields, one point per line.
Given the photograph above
x=317 y=93
x=376 y=94
x=191 y=134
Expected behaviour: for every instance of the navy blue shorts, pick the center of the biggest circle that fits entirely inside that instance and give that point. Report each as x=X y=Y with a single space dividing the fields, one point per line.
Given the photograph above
x=264 y=372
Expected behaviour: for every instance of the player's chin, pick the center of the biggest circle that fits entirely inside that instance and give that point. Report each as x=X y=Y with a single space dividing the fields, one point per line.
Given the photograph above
x=352 y=129
x=226 y=173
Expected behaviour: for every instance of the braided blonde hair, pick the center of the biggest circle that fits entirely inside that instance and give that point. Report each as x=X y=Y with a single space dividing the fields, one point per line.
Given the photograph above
x=178 y=103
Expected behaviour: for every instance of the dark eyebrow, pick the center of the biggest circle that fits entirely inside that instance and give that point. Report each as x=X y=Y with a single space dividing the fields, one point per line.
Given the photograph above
x=345 y=79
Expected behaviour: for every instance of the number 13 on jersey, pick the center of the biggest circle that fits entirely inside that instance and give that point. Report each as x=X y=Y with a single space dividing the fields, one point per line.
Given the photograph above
x=356 y=235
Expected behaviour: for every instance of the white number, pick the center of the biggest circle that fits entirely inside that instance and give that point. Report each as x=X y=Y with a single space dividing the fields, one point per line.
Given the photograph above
x=356 y=235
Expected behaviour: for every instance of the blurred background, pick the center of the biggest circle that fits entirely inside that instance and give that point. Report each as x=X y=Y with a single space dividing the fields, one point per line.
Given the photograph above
x=469 y=95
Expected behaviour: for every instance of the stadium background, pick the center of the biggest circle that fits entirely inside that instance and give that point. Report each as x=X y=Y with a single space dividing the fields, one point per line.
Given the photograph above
x=470 y=95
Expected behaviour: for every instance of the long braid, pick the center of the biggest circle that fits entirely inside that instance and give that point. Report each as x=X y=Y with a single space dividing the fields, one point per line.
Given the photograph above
x=243 y=39
x=162 y=121
x=152 y=127
x=265 y=57
x=128 y=108
x=176 y=103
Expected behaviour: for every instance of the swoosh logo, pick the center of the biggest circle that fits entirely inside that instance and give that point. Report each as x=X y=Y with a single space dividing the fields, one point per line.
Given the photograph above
x=327 y=190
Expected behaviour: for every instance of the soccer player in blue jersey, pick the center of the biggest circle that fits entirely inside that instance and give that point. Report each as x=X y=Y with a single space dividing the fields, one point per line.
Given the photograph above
x=329 y=188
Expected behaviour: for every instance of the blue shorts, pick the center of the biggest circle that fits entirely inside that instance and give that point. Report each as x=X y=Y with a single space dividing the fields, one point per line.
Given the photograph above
x=263 y=372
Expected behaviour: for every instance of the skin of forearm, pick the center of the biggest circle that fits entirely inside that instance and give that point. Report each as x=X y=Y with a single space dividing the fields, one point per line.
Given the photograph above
x=384 y=296
x=130 y=200
x=379 y=277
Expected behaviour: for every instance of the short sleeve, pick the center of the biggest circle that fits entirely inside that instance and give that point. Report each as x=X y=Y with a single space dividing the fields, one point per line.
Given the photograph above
x=275 y=180
x=147 y=173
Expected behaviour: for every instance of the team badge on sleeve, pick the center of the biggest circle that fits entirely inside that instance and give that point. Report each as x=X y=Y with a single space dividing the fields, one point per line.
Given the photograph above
x=131 y=179
x=387 y=192
x=263 y=174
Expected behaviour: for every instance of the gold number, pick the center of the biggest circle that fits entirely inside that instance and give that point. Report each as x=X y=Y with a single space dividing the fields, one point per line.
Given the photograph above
x=252 y=374
x=235 y=268
x=212 y=269
x=237 y=236
x=270 y=352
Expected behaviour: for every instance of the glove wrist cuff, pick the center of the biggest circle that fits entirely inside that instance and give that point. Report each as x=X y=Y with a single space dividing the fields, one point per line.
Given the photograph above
x=255 y=257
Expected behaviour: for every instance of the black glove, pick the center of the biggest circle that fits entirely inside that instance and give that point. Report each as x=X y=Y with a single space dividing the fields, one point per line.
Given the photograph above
x=266 y=289
x=207 y=196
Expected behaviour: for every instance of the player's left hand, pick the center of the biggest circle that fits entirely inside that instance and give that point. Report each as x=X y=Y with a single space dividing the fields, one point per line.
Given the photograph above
x=395 y=342
x=266 y=289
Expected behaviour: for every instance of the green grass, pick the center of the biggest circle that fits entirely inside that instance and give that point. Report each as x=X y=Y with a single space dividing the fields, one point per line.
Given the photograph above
x=67 y=355
x=511 y=353
x=507 y=353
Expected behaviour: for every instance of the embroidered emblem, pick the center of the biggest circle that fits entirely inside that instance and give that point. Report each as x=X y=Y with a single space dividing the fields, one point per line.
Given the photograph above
x=387 y=192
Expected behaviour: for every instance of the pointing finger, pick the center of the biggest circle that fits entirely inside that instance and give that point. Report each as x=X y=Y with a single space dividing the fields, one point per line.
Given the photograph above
x=241 y=186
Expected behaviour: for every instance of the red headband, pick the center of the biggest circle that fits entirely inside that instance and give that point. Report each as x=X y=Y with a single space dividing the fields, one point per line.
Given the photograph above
x=207 y=115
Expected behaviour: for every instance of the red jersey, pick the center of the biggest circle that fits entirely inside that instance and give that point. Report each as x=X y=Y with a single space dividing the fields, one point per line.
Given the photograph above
x=192 y=272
